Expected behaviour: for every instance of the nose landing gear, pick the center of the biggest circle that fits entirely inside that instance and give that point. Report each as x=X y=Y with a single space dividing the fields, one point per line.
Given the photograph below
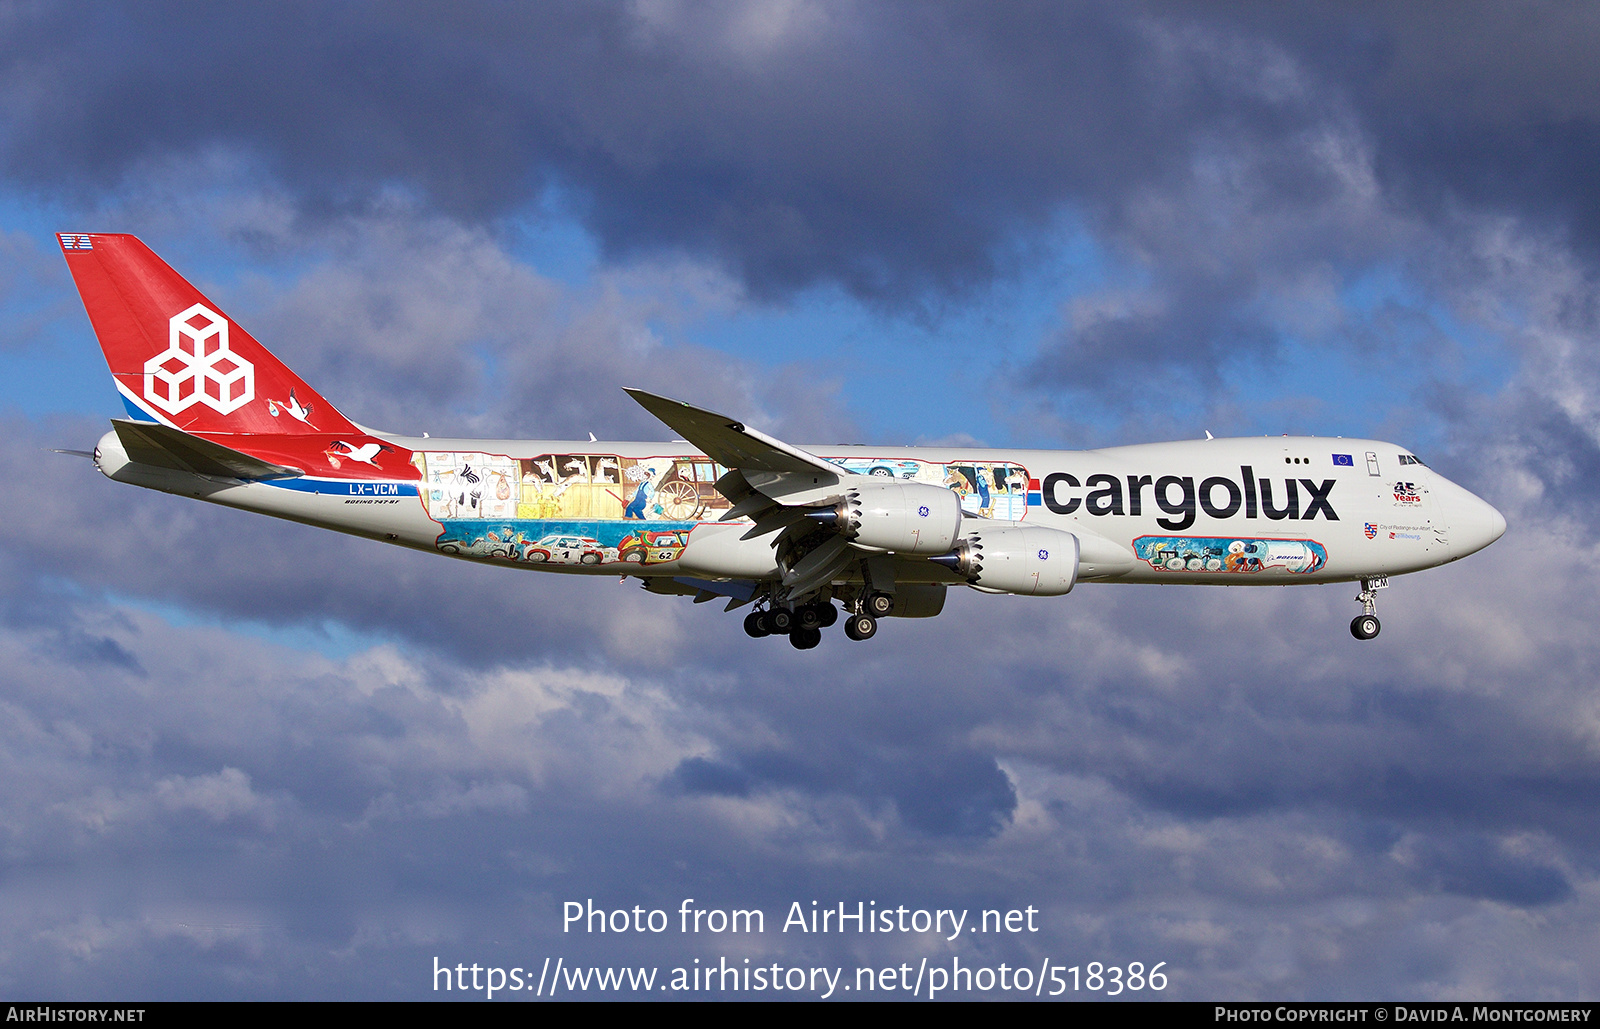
x=1365 y=625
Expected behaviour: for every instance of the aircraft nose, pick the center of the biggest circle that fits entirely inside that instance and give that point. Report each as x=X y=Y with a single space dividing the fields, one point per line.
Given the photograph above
x=1474 y=524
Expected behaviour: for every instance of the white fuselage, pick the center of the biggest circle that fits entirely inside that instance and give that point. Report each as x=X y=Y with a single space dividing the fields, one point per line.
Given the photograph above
x=1271 y=510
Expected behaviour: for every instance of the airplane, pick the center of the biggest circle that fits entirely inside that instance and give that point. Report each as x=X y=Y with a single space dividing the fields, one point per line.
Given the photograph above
x=800 y=534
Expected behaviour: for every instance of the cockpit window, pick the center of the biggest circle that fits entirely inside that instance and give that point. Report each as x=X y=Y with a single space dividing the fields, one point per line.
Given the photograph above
x=1408 y=459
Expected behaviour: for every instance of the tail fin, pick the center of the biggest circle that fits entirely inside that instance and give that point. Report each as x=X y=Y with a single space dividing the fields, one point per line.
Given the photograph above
x=176 y=357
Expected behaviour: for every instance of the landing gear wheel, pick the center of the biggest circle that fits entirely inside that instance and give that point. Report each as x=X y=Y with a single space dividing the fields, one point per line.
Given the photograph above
x=879 y=605
x=830 y=614
x=1365 y=626
x=808 y=617
x=755 y=624
x=805 y=639
x=861 y=627
x=780 y=621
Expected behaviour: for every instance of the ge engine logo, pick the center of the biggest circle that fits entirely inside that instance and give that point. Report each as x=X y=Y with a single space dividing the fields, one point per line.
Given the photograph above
x=198 y=367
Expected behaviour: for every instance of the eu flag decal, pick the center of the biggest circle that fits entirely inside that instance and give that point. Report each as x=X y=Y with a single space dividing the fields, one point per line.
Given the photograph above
x=1344 y=460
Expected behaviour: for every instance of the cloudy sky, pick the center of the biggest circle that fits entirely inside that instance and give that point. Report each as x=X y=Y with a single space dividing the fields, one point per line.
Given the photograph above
x=250 y=759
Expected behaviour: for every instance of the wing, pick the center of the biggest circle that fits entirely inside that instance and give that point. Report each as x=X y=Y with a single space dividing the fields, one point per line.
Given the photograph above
x=732 y=444
x=794 y=497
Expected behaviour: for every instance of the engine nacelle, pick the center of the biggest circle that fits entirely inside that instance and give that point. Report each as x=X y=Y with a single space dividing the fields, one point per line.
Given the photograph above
x=1012 y=558
x=905 y=518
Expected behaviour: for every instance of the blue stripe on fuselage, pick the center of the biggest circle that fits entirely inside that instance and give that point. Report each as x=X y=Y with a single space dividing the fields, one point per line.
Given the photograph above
x=345 y=487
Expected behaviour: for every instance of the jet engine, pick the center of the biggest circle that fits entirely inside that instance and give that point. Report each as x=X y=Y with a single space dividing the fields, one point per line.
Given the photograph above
x=905 y=518
x=1006 y=557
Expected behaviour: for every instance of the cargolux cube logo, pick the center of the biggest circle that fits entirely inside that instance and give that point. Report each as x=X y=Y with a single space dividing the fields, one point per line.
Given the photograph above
x=198 y=367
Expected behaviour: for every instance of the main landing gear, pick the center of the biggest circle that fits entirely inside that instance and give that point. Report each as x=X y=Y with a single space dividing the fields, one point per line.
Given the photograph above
x=1365 y=625
x=803 y=623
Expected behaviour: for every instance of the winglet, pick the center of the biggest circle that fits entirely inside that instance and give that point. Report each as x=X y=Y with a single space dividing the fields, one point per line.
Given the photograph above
x=730 y=443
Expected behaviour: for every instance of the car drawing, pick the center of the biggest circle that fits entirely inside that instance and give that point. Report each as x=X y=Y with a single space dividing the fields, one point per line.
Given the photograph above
x=502 y=543
x=565 y=550
x=651 y=548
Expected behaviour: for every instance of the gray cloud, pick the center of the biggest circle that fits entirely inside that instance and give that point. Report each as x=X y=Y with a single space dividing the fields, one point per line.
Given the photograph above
x=421 y=325
x=271 y=811
x=1239 y=173
x=890 y=149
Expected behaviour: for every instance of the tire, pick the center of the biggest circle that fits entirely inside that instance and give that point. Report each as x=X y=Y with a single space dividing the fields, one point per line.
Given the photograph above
x=780 y=621
x=1365 y=627
x=805 y=639
x=755 y=625
x=861 y=627
x=449 y=548
x=882 y=473
x=809 y=617
x=879 y=605
x=538 y=556
x=590 y=559
x=830 y=614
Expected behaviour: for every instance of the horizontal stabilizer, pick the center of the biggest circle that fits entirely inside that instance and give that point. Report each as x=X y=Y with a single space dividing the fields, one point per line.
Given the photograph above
x=162 y=446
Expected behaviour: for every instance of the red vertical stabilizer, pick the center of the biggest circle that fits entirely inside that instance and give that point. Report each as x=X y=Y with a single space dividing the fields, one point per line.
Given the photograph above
x=177 y=357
